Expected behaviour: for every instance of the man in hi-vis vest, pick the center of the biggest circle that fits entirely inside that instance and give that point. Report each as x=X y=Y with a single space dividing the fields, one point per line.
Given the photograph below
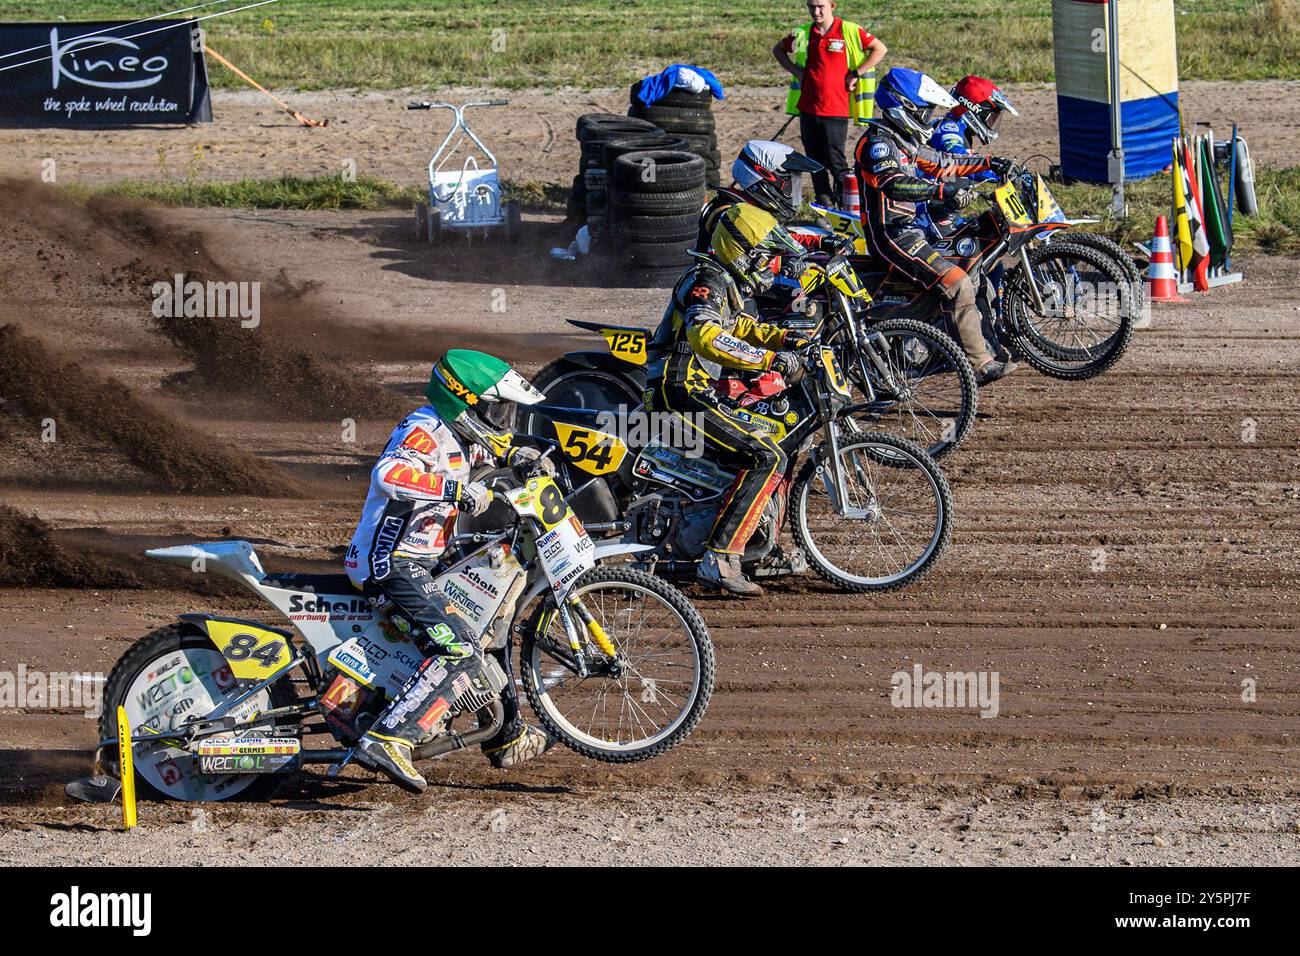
x=833 y=63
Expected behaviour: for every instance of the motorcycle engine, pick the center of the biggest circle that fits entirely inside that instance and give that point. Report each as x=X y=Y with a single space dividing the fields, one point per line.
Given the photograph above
x=690 y=534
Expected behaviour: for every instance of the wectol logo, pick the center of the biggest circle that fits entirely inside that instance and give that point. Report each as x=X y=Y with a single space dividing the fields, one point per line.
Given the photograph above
x=105 y=68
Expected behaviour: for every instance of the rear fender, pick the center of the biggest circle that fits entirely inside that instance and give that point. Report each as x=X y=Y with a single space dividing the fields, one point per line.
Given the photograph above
x=253 y=651
x=605 y=362
x=627 y=343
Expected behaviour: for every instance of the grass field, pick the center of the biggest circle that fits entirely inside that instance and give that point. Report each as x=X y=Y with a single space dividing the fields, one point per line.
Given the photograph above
x=378 y=44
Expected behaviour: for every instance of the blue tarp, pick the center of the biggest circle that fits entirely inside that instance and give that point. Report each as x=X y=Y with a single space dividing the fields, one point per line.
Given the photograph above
x=1149 y=127
x=656 y=87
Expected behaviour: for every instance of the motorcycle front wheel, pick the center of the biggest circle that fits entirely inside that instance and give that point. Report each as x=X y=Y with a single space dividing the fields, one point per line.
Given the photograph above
x=1087 y=317
x=934 y=398
x=898 y=514
x=639 y=704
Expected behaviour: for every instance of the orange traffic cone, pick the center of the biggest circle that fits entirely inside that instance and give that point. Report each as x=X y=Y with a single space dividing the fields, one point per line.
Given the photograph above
x=1162 y=284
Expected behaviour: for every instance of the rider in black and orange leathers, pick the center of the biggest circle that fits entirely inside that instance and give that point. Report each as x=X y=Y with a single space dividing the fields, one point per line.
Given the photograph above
x=893 y=164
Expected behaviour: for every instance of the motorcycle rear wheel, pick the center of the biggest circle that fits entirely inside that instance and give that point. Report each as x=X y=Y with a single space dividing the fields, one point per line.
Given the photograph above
x=907 y=523
x=181 y=654
x=567 y=383
x=667 y=674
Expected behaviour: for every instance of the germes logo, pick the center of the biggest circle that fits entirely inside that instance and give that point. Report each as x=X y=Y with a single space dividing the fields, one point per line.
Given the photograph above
x=105 y=67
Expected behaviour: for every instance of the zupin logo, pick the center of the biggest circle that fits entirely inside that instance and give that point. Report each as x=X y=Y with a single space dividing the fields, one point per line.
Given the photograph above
x=65 y=62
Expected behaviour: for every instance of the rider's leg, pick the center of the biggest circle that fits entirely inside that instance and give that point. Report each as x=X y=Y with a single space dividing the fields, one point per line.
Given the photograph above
x=451 y=652
x=516 y=742
x=959 y=293
x=761 y=464
x=909 y=251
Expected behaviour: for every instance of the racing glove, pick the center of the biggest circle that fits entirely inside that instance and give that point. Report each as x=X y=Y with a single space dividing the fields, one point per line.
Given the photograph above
x=522 y=458
x=837 y=245
x=794 y=339
x=1001 y=165
x=793 y=267
x=474 y=497
x=788 y=364
x=959 y=197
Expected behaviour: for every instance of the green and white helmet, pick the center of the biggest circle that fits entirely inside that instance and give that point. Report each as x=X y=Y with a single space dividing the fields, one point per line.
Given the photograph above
x=463 y=378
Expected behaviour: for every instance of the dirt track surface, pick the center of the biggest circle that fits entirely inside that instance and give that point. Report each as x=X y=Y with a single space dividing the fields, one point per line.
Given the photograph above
x=1121 y=669
x=533 y=137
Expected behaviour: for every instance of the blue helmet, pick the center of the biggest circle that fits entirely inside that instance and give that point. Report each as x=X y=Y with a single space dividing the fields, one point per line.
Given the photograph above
x=905 y=99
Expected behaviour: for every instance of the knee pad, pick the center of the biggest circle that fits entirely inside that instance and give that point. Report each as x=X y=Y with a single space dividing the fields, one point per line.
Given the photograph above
x=960 y=292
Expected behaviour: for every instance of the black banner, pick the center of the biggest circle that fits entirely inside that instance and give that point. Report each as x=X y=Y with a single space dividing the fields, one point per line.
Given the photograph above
x=103 y=73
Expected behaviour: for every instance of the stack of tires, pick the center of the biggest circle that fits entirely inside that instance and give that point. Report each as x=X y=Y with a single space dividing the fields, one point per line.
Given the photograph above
x=688 y=115
x=588 y=200
x=655 y=198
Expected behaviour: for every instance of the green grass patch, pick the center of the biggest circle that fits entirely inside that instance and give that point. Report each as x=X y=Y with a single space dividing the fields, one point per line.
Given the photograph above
x=382 y=44
x=307 y=192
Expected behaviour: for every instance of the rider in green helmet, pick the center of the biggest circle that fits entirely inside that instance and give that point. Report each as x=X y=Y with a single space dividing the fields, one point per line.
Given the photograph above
x=419 y=485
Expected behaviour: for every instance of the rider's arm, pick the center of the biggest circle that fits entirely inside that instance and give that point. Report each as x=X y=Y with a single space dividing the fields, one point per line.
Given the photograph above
x=945 y=165
x=950 y=137
x=406 y=476
x=715 y=344
x=878 y=167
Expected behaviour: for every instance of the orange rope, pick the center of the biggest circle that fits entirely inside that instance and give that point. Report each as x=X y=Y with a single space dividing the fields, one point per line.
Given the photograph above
x=258 y=86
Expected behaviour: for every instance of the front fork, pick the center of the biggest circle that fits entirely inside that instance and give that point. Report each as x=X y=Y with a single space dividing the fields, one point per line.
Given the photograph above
x=571 y=608
x=1040 y=307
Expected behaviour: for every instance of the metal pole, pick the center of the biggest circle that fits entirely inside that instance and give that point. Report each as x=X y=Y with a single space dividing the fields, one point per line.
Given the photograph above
x=1116 y=159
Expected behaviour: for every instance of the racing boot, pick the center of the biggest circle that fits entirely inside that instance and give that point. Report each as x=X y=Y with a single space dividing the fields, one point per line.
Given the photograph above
x=412 y=715
x=720 y=571
x=782 y=563
x=992 y=371
x=529 y=743
x=391 y=756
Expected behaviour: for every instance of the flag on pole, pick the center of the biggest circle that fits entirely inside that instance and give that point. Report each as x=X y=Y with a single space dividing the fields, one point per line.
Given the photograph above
x=1179 y=217
x=1217 y=225
x=1200 y=261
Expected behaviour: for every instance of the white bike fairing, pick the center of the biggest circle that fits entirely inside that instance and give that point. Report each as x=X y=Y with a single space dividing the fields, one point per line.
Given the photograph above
x=410 y=505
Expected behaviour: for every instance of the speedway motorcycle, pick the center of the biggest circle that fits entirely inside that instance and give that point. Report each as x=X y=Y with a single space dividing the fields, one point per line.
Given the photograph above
x=1061 y=301
x=870 y=511
x=911 y=378
x=616 y=663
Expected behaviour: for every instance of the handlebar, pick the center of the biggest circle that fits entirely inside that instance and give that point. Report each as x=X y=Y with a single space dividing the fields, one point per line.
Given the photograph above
x=426 y=105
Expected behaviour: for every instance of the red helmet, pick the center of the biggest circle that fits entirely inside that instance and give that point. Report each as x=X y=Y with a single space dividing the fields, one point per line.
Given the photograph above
x=982 y=103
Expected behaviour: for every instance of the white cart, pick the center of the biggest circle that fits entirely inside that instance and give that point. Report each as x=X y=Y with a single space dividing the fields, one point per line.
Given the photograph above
x=465 y=198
